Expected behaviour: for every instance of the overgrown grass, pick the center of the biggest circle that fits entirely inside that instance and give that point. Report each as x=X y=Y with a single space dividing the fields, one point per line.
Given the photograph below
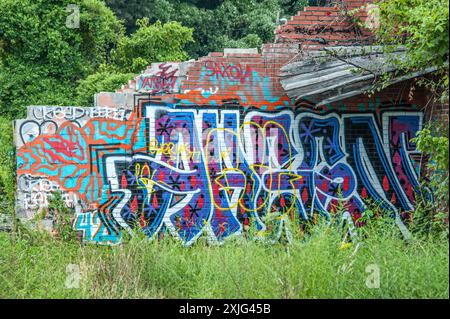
x=315 y=266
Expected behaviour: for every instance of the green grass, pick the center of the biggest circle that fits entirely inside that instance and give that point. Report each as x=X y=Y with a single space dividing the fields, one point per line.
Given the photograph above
x=314 y=267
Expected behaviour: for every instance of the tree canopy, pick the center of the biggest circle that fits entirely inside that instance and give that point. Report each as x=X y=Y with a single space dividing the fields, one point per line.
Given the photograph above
x=422 y=27
x=149 y=43
x=41 y=58
x=44 y=60
x=217 y=24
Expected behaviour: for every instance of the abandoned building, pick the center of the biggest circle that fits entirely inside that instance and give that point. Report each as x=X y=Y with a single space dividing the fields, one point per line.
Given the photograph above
x=213 y=146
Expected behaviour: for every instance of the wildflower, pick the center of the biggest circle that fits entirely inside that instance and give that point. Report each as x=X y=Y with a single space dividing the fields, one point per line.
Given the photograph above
x=345 y=246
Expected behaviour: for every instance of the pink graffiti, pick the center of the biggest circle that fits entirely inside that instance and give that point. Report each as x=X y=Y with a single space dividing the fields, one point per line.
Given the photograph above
x=161 y=82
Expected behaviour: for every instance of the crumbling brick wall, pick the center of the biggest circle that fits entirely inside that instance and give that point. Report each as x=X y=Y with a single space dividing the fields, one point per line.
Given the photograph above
x=214 y=146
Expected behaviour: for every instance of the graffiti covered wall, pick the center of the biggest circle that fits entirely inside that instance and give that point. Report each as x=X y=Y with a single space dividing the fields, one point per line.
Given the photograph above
x=172 y=165
x=210 y=146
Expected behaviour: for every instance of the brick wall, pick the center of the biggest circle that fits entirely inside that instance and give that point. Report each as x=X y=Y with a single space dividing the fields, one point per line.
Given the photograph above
x=214 y=145
x=316 y=27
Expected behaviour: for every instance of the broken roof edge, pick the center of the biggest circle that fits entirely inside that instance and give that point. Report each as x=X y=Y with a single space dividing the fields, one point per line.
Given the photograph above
x=308 y=57
x=336 y=73
x=367 y=88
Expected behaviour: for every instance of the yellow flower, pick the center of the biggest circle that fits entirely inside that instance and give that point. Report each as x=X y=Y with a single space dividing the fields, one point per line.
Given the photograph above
x=345 y=246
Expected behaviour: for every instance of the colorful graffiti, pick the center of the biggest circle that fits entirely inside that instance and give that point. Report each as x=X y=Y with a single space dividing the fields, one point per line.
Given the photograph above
x=226 y=153
x=193 y=171
x=222 y=84
x=162 y=81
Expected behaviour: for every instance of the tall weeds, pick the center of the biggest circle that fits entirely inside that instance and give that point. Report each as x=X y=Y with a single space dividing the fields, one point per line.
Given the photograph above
x=315 y=265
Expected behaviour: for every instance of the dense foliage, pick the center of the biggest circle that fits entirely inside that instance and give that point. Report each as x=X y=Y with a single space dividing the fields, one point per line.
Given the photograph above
x=217 y=24
x=431 y=215
x=41 y=58
x=45 y=60
x=149 y=43
x=422 y=27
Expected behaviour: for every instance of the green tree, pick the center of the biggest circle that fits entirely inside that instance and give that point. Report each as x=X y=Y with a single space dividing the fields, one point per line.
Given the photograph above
x=107 y=79
x=238 y=23
x=150 y=43
x=41 y=59
x=291 y=7
x=132 y=10
x=422 y=26
x=217 y=24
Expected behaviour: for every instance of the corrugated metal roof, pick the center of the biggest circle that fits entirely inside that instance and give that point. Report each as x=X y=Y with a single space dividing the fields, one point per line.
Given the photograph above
x=335 y=73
